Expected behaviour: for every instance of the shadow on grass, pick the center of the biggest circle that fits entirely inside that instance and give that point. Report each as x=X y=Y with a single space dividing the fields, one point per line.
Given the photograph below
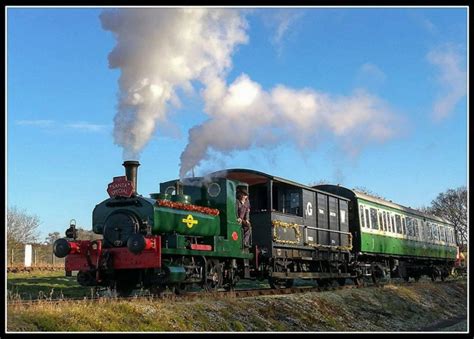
x=56 y=285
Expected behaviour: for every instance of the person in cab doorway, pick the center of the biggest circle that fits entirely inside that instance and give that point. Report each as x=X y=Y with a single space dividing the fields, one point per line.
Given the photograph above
x=243 y=214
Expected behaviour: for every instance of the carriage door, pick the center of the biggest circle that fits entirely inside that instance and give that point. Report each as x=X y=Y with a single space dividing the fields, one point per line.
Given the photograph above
x=309 y=218
x=334 y=221
x=344 y=222
x=322 y=211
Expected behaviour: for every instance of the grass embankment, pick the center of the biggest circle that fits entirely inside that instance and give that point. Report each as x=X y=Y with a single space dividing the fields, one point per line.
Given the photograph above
x=392 y=308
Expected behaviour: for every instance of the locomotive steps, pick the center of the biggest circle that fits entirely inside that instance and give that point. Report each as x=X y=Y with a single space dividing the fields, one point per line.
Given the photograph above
x=395 y=307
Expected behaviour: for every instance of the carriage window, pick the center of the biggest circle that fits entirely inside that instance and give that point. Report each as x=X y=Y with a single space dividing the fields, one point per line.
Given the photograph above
x=393 y=223
x=381 y=220
x=373 y=217
x=415 y=228
x=442 y=235
x=361 y=214
x=385 y=223
x=434 y=232
x=429 y=236
x=398 y=222
x=404 y=227
x=389 y=224
x=431 y=232
x=367 y=221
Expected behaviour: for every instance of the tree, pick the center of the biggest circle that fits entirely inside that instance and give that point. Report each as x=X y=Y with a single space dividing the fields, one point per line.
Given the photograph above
x=452 y=206
x=83 y=234
x=22 y=228
x=52 y=237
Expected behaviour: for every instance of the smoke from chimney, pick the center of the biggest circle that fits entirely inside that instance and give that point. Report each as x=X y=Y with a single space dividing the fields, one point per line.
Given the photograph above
x=160 y=51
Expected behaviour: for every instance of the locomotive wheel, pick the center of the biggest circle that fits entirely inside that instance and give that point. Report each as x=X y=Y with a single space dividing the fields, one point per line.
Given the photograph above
x=280 y=283
x=213 y=278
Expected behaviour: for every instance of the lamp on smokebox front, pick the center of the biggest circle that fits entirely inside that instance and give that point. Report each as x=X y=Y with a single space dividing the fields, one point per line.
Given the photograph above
x=137 y=243
x=71 y=232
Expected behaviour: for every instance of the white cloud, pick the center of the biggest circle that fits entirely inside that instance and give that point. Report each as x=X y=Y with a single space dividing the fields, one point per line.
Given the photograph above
x=36 y=123
x=87 y=127
x=371 y=73
x=451 y=76
x=51 y=124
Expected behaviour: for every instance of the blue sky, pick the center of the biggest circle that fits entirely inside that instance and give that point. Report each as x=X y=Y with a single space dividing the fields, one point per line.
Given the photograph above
x=403 y=70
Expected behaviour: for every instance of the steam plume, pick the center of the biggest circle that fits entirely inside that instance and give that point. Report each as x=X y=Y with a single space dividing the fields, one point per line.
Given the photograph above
x=244 y=115
x=160 y=51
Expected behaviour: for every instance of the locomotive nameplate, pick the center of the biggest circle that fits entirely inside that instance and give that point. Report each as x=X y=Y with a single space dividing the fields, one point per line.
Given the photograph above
x=120 y=187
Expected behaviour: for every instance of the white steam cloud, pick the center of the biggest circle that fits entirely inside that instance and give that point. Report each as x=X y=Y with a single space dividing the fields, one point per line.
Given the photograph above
x=243 y=115
x=160 y=51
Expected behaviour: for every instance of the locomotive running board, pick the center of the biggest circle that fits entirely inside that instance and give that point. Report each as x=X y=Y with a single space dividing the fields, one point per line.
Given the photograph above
x=295 y=275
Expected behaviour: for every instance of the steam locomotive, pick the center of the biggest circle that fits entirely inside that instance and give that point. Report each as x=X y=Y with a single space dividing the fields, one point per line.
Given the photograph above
x=188 y=235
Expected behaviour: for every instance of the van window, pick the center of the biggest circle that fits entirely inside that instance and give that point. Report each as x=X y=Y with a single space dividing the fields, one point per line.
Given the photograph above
x=287 y=199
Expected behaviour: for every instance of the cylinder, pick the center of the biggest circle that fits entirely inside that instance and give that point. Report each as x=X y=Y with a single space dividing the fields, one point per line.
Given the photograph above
x=131 y=169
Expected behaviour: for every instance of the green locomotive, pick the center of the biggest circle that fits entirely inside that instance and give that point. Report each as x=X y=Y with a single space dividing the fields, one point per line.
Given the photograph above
x=186 y=234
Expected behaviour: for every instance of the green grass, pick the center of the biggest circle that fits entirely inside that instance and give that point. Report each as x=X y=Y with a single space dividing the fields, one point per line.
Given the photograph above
x=44 y=285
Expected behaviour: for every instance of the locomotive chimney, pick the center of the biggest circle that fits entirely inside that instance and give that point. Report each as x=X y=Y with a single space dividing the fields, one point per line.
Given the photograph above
x=131 y=168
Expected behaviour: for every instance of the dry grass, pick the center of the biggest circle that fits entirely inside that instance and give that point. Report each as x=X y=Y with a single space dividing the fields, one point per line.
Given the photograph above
x=392 y=308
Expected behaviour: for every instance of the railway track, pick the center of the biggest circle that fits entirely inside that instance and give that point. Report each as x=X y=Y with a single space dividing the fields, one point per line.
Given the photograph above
x=219 y=294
